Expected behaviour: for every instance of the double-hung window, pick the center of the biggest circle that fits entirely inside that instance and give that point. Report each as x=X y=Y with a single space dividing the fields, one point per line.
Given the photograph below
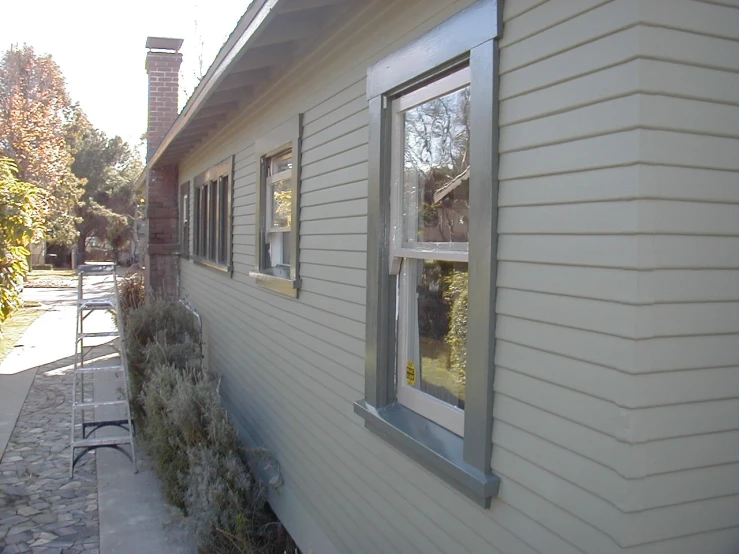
x=429 y=245
x=278 y=171
x=278 y=195
x=212 y=211
x=431 y=248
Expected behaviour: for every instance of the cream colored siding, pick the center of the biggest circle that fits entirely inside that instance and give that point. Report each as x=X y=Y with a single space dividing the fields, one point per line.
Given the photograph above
x=607 y=288
x=689 y=332
x=617 y=421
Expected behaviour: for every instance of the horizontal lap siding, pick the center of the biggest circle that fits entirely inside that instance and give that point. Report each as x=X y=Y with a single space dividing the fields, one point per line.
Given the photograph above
x=619 y=210
x=581 y=108
x=690 y=326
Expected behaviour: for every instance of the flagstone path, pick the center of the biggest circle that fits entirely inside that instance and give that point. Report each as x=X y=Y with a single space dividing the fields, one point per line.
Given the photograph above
x=42 y=511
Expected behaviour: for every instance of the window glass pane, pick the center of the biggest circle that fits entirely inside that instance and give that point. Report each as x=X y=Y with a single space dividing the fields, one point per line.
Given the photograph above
x=436 y=169
x=285 y=248
x=204 y=219
x=223 y=220
x=281 y=204
x=439 y=349
x=186 y=222
x=278 y=253
x=281 y=162
x=211 y=229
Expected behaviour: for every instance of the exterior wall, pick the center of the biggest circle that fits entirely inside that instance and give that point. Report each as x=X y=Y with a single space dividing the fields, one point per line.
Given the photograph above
x=685 y=418
x=616 y=380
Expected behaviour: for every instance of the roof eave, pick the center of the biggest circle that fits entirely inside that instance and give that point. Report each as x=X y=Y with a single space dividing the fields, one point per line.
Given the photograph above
x=248 y=27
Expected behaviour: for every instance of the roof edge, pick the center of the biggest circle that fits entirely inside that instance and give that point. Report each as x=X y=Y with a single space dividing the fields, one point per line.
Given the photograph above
x=249 y=24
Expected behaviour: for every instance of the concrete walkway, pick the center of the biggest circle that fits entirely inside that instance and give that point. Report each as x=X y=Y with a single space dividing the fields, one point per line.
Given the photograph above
x=105 y=508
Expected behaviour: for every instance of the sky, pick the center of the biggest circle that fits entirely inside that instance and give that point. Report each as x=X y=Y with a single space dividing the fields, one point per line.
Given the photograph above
x=100 y=48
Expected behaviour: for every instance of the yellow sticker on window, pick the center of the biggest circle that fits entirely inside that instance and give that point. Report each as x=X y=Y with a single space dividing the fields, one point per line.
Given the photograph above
x=410 y=373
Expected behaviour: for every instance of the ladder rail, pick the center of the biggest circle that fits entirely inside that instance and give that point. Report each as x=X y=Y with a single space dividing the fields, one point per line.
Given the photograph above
x=85 y=307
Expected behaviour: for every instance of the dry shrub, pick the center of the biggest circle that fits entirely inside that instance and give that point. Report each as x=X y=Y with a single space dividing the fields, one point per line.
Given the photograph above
x=159 y=332
x=226 y=506
x=161 y=434
x=131 y=294
x=196 y=450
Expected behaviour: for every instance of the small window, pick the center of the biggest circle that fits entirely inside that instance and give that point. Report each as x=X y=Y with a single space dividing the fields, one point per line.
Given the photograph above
x=278 y=196
x=185 y=220
x=212 y=203
x=277 y=208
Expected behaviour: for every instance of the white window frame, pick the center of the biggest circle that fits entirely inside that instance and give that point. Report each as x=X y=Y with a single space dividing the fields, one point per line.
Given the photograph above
x=412 y=396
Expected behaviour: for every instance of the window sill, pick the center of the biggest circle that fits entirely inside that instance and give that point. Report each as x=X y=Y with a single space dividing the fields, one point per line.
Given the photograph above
x=436 y=448
x=281 y=285
x=211 y=265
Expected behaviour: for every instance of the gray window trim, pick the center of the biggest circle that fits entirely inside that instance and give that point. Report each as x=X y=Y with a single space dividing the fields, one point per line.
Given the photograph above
x=287 y=135
x=468 y=37
x=224 y=168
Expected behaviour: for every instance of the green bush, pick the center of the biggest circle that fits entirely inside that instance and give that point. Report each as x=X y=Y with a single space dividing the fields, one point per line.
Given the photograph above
x=22 y=218
x=43 y=267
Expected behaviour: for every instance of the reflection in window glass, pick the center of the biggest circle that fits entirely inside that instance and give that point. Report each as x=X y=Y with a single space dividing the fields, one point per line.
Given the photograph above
x=278 y=185
x=439 y=350
x=436 y=169
x=281 y=204
x=280 y=162
x=223 y=220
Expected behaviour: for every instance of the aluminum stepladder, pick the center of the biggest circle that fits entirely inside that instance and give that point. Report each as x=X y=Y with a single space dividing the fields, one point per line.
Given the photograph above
x=82 y=432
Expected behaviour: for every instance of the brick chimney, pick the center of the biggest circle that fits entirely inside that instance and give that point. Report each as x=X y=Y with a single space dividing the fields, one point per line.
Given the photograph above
x=163 y=66
x=162 y=238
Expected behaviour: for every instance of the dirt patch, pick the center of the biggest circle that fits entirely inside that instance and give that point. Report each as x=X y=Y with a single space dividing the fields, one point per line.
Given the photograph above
x=55 y=279
x=15 y=326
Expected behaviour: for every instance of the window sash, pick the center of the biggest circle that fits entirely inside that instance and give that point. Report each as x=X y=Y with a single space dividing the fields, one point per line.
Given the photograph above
x=436 y=89
x=281 y=176
x=399 y=248
x=268 y=190
x=412 y=397
x=185 y=219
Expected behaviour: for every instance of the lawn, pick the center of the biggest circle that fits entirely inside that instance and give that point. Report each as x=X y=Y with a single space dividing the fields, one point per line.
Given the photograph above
x=14 y=327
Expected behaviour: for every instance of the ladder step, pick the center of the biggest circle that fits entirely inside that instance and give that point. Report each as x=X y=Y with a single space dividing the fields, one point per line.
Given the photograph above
x=99 y=334
x=104 y=403
x=97 y=304
x=104 y=422
x=94 y=368
x=108 y=441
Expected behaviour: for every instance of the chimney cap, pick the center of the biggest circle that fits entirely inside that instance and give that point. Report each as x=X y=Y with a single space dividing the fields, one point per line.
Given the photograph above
x=162 y=43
